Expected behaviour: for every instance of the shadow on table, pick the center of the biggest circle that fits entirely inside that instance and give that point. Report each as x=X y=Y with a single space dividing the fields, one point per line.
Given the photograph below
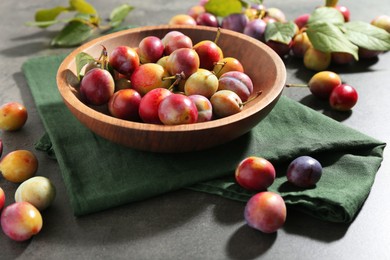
x=248 y=243
x=31 y=44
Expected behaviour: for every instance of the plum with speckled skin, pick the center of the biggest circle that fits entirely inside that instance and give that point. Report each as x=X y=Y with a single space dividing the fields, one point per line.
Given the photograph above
x=304 y=171
x=266 y=211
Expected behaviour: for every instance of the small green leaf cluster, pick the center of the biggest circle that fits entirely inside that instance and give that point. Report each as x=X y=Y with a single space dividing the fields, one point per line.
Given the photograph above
x=82 y=25
x=328 y=32
x=326 y=29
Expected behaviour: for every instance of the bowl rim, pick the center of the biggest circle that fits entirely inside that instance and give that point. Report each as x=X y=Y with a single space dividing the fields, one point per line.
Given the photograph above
x=71 y=100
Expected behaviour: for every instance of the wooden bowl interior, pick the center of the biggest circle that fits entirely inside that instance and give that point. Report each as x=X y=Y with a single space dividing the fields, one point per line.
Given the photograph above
x=263 y=65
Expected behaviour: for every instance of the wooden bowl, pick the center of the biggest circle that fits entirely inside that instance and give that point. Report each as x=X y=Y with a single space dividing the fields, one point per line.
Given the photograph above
x=262 y=64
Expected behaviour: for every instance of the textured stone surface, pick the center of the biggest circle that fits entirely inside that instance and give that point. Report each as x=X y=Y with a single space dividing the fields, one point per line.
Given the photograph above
x=186 y=224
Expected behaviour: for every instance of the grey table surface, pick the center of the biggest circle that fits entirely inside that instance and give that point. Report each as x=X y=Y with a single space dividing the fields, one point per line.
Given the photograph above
x=186 y=224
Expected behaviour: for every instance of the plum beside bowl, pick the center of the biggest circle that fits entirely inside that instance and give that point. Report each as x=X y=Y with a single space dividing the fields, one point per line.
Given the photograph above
x=262 y=64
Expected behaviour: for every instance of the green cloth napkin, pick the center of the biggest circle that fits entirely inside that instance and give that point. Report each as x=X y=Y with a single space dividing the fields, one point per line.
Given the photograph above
x=99 y=174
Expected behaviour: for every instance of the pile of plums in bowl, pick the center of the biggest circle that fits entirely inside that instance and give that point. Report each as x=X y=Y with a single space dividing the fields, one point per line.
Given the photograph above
x=129 y=72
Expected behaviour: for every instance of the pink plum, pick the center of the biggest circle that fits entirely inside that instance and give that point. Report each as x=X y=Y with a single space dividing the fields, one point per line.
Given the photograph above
x=168 y=36
x=227 y=64
x=21 y=220
x=177 y=109
x=148 y=108
x=343 y=97
x=183 y=61
x=301 y=21
x=124 y=59
x=256 y=29
x=255 y=173
x=225 y=103
x=209 y=53
x=150 y=49
x=204 y=107
x=182 y=19
x=196 y=10
x=149 y=76
x=124 y=104
x=238 y=82
x=207 y=19
x=265 y=211
x=344 y=11
x=176 y=41
x=322 y=83
x=97 y=86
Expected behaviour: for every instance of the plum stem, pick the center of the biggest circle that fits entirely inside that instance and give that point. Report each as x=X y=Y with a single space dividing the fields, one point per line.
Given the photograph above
x=223 y=63
x=331 y=3
x=178 y=77
x=217 y=36
x=258 y=93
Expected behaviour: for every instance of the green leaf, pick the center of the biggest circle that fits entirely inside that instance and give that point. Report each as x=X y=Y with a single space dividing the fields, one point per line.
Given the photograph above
x=328 y=37
x=82 y=59
x=326 y=14
x=119 y=14
x=280 y=32
x=73 y=34
x=82 y=7
x=367 y=36
x=47 y=17
x=223 y=7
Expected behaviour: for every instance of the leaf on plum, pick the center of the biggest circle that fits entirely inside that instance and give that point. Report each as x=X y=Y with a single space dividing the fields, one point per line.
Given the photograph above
x=367 y=36
x=74 y=33
x=328 y=37
x=119 y=14
x=280 y=32
x=326 y=14
x=82 y=59
x=47 y=17
x=223 y=7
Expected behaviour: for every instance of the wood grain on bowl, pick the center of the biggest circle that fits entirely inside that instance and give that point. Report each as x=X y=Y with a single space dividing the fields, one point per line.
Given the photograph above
x=262 y=65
